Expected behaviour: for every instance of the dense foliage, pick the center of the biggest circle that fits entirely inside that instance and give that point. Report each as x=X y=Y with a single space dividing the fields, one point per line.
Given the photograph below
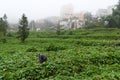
x=3 y=28
x=91 y=54
x=109 y=21
x=114 y=19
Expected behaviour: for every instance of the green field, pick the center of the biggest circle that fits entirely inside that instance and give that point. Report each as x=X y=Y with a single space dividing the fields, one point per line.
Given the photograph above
x=92 y=54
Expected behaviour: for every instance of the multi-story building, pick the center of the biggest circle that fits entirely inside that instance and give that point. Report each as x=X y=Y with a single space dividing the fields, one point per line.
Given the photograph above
x=67 y=11
x=104 y=12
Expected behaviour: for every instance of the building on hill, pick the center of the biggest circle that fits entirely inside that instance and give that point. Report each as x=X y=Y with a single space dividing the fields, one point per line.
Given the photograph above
x=80 y=16
x=69 y=19
x=74 y=22
x=104 y=12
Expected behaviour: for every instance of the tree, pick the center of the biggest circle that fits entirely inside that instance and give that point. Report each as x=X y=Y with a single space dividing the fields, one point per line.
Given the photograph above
x=3 y=28
x=3 y=25
x=32 y=25
x=89 y=22
x=114 y=19
x=23 y=30
x=88 y=16
x=58 y=27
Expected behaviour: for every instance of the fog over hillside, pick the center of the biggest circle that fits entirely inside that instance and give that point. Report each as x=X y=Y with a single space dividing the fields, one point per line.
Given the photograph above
x=39 y=9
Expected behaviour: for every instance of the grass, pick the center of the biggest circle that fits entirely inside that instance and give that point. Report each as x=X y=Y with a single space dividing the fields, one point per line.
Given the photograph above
x=83 y=55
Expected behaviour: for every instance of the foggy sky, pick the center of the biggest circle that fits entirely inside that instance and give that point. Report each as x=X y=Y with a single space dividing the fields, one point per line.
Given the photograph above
x=37 y=9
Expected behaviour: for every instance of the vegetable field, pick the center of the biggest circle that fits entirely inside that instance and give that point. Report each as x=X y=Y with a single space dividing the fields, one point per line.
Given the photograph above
x=92 y=54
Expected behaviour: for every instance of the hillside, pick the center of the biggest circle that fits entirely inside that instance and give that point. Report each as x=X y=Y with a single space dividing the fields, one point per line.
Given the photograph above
x=91 y=54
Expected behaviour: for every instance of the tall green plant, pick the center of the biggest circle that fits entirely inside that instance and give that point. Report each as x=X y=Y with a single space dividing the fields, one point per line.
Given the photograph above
x=3 y=25
x=3 y=28
x=23 y=30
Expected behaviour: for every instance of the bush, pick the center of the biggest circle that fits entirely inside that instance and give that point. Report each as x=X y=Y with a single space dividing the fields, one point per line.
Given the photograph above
x=52 y=47
x=70 y=33
x=32 y=49
x=11 y=52
x=9 y=35
x=3 y=40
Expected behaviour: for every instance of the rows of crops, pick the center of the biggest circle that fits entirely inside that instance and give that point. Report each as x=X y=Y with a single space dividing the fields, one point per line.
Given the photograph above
x=73 y=55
